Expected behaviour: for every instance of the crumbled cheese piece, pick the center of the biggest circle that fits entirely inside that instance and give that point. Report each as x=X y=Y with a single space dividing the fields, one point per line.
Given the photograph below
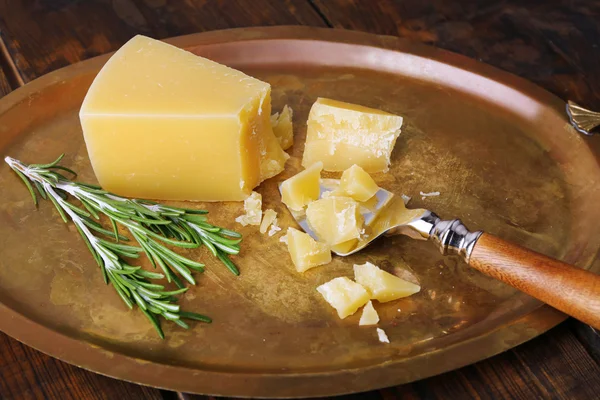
x=283 y=239
x=282 y=127
x=341 y=134
x=335 y=219
x=383 y=338
x=269 y=217
x=369 y=315
x=306 y=252
x=382 y=285
x=274 y=228
x=430 y=194
x=405 y=199
x=253 y=208
x=357 y=184
x=344 y=295
x=302 y=188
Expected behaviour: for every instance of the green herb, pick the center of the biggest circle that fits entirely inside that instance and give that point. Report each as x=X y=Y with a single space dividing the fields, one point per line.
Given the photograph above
x=151 y=224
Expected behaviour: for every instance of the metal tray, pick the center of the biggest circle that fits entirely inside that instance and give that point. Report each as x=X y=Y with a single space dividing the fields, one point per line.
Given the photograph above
x=499 y=149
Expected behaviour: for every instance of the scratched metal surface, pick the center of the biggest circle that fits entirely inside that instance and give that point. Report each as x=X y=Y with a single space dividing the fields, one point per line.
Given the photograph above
x=497 y=148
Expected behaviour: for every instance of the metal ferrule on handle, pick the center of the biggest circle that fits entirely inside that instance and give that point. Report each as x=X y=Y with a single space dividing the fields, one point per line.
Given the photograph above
x=453 y=238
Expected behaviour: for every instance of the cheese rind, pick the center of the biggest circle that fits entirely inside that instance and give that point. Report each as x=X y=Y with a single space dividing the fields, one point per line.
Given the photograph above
x=160 y=122
x=382 y=285
x=283 y=127
x=342 y=134
x=344 y=295
x=358 y=184
x=302 y=188
x=306 y=252
x=335 y=220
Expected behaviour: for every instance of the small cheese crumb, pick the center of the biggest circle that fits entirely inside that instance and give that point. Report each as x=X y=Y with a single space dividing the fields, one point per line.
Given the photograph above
x=269 y=217
x=405 y=199
x=430 y=194
x=274 y=228
x=369 y=315
x=383 y=338
x=283 y=239
x=253 y=208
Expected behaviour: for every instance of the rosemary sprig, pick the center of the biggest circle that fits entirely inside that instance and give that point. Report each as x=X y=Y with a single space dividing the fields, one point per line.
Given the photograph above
x=151 y=224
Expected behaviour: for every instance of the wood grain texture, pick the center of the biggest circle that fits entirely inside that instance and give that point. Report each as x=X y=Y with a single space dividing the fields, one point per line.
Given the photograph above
x=43 y=35
x=553 y=43
x=4 y=86
x=552 y=366
x=571 y=290
x=28 y=374
x=589 y=337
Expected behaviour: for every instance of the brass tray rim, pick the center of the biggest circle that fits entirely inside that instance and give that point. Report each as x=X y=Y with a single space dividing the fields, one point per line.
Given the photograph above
x=280 y=384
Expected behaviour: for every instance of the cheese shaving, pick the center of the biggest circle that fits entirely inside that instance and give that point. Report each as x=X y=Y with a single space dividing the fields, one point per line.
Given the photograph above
x=383 y=338
x=253 y=208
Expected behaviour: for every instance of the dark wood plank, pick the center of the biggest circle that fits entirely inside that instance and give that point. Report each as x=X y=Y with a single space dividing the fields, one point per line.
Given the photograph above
x=552 y=366
x=4 y=86
x=553 y=43
x=589 y=337
x=28 y=374
x=44 y=35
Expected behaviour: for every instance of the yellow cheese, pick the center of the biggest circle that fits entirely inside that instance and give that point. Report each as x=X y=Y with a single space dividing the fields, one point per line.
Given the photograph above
x=283 y=127
x=272 y=156
x=160 y=122
x=344 y=295
x=253 y=208
x=382 y=285
x=358 y=184
x=342 y=134
x=345 y=247
x=305 y=251
x=302 y=188
x=269 y=217
x=335 y=220
x=370 y=206
x=369 y=315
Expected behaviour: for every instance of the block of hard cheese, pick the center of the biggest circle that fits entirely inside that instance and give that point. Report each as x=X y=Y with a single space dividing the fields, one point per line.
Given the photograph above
x=342 y=134
x=162 y=123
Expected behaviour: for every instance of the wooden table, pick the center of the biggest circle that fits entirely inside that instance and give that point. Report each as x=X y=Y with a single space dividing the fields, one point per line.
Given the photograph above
x=553 y=43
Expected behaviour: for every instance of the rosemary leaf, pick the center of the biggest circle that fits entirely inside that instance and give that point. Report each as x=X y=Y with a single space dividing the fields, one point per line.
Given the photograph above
x=26 y=181
x=152 y=225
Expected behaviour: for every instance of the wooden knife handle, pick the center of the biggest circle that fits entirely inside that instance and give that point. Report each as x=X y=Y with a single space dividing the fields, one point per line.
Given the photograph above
x=572 y=290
